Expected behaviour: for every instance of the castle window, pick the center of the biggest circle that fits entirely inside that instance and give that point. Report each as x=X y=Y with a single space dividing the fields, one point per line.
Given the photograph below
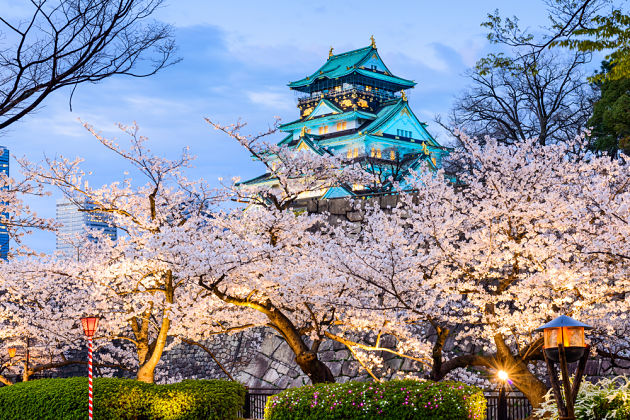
x=373 y=152
x=378 y=153
x=392 y=155
x=403 y=133
x=349 y=154
x=323 y=129
x=342 y=125
x=368 y=88
x=337 y=88
x=356 y=152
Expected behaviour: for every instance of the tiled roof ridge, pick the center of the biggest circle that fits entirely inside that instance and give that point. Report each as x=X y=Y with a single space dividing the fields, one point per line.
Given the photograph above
x=350 y=52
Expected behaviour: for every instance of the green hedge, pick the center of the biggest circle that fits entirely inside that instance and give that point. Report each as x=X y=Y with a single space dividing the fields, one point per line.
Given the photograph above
x=67 y=399
x=395 y=400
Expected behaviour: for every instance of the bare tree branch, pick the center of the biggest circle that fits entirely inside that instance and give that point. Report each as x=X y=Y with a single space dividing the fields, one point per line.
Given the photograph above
x=69 y=42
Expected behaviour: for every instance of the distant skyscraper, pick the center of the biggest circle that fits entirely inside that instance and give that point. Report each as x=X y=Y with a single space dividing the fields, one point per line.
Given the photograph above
x=75 y=222
x=4 y=234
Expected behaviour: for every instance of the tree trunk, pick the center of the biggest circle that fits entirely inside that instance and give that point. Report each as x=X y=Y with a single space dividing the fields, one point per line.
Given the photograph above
x=306 y=358
x=146 y=372
x=526 y=382
x=442 y=334
x=316 y=370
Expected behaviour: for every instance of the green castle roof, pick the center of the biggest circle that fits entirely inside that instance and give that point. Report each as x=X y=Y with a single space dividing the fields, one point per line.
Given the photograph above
x=339 y=65
x=348 y=115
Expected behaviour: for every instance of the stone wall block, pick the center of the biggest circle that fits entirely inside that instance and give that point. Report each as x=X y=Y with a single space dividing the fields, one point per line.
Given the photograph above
x=350 y=368
x=339 y=206
x=326 y=345
x=283 y=382
x=299 y=381
x=272 y=376
x=327 y=356
x=337 y=345
x=270 y=344
x=354 y=216
x=284 y=354
x=258 y=366
x=389 y=201
x=592 y=368
x=394 y=363
x=335 y=220
x=335 y=368
x=372 y=202
x=311 y=205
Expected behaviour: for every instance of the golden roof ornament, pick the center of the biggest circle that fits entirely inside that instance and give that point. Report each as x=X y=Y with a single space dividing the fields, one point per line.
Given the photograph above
x=303 y=132
x=330 y=53
x=403 y=95
x=373 y=41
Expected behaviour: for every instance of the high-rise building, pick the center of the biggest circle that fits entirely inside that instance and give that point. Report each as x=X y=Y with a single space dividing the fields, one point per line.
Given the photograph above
x=354 y=107
x=4 y=234
x=76 y=222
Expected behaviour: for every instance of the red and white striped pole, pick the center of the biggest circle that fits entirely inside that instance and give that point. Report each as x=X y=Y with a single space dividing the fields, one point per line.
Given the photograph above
x=89 y=328
x=90 y=389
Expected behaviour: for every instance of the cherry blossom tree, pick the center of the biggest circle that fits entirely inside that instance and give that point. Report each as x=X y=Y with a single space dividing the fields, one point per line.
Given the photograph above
x=39 y=317
x=131 y=283
x=528 y=234
x=264 y=260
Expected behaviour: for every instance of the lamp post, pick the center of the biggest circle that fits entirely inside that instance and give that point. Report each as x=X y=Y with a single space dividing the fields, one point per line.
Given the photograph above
x=502 y=404
x=564 y=343
x=89 y=328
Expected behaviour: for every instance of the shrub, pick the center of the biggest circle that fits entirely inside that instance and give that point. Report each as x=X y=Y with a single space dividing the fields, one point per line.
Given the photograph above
x=397 y=400
x=608 y=399
x=67 y=399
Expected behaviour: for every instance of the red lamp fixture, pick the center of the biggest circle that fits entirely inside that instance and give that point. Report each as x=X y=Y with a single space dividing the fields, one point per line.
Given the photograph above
x=12 y=352
x=89 y=324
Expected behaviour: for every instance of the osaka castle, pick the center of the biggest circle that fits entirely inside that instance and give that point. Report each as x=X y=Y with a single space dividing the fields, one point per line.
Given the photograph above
x=354 y=107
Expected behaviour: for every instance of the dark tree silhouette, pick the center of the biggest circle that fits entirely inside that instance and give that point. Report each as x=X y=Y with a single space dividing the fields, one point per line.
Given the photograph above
x=544 y=96
x=69 y=42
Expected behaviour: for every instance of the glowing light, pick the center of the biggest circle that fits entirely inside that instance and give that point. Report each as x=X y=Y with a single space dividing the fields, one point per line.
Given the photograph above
x=503 y=375
x=89 y=324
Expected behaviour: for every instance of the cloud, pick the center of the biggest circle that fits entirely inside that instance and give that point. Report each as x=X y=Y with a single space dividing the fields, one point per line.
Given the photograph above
x=271 y=99
x=157 y=105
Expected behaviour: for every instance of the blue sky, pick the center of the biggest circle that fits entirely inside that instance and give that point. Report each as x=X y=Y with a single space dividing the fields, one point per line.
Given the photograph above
x=238 y=57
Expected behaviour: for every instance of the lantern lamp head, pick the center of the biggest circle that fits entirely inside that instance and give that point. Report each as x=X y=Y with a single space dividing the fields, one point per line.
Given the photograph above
x=502 y=375
x=567 y=332
x=89 y=324
x=12 y=351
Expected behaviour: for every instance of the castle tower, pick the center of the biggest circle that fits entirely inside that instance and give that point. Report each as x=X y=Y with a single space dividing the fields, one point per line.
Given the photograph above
x=354 y=107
